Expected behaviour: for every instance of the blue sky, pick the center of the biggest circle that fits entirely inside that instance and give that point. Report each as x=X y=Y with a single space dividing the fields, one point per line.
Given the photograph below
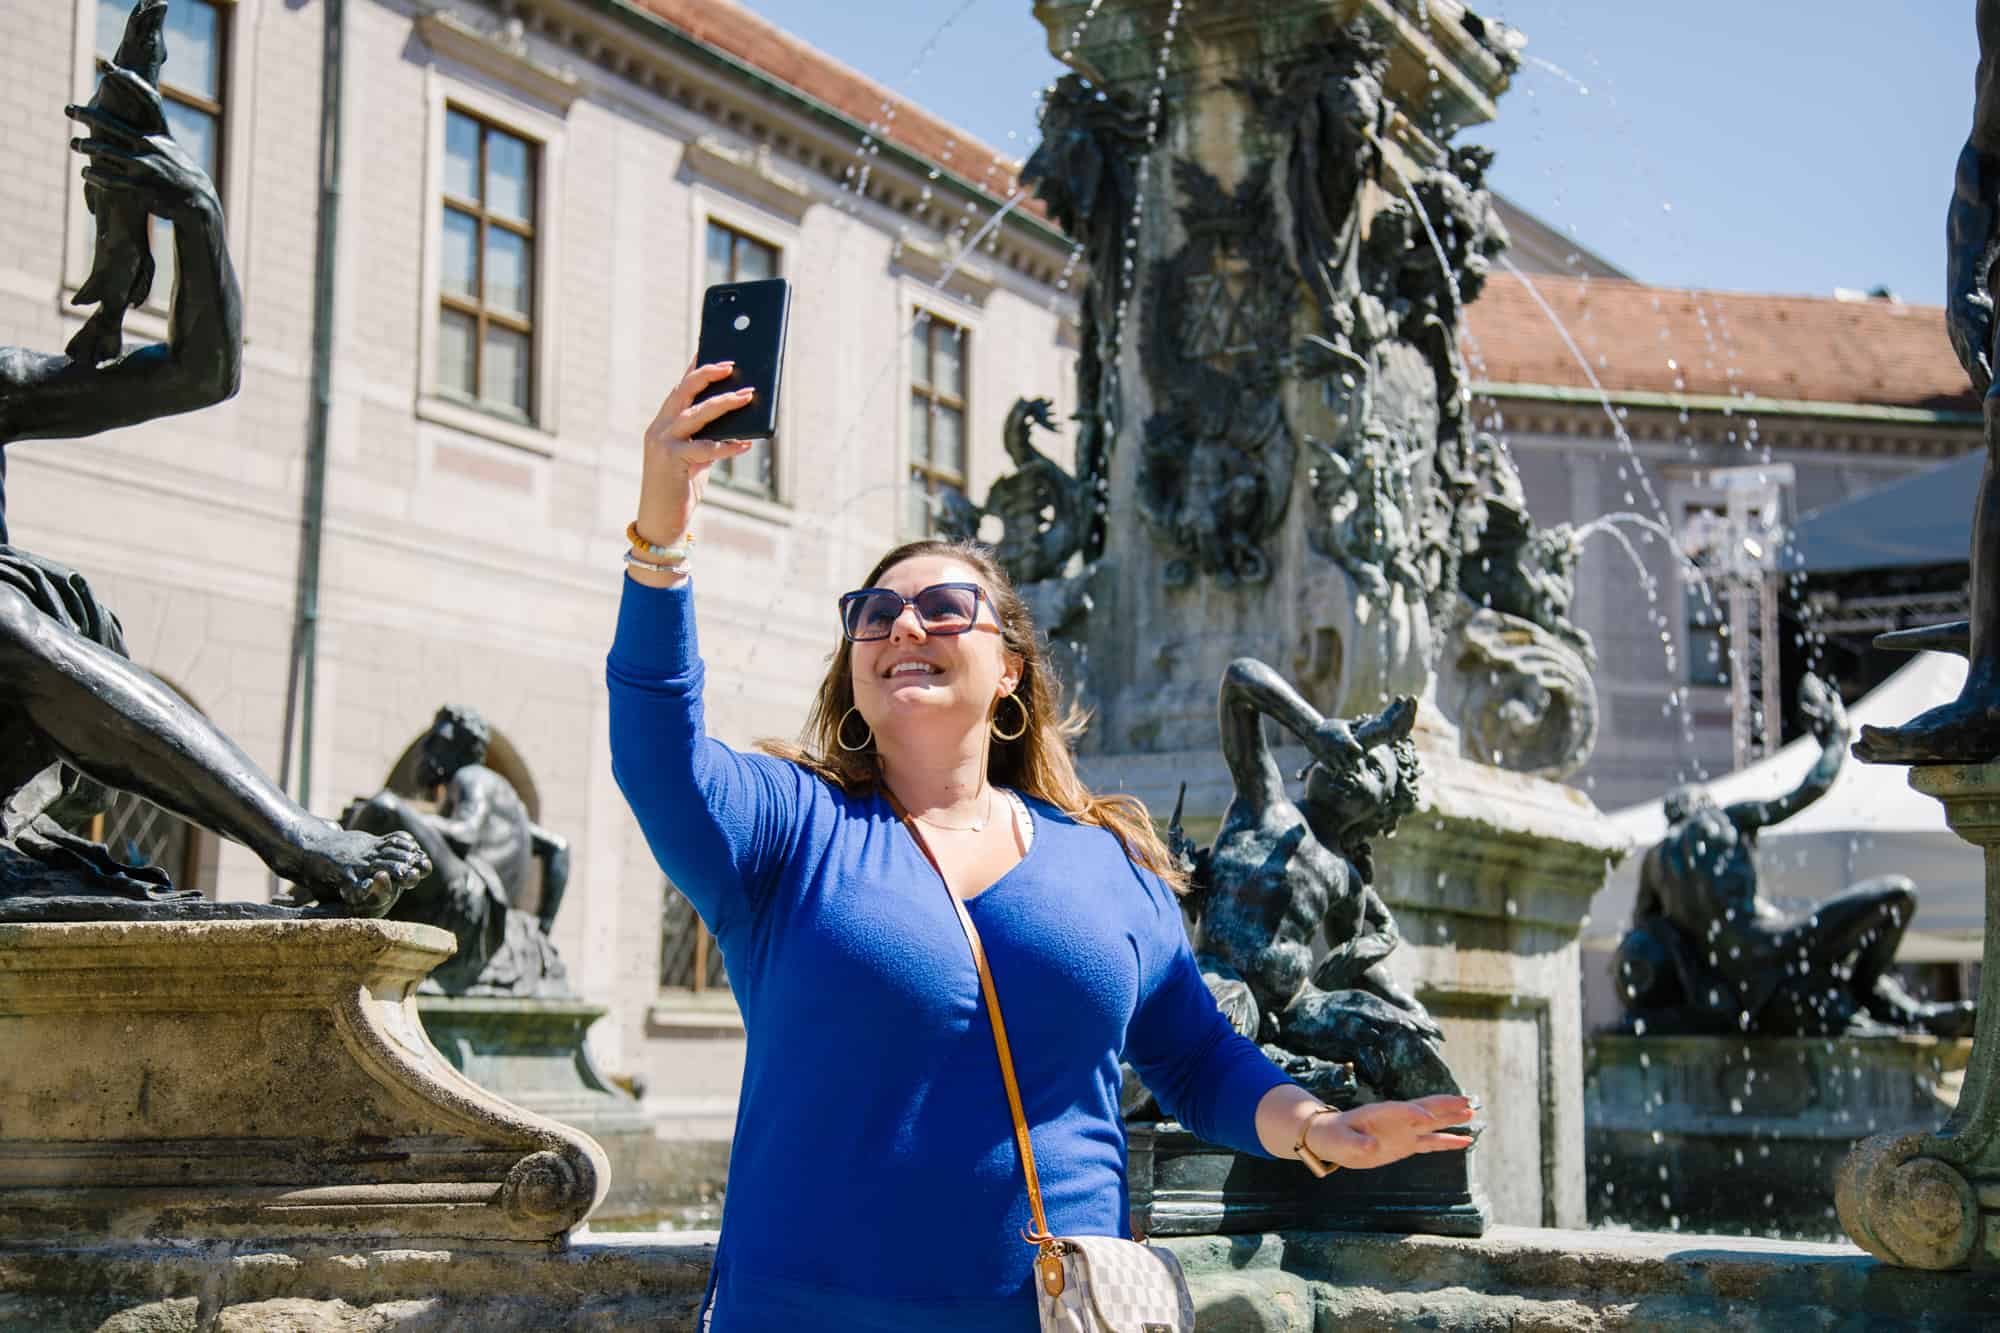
x=1752 y=145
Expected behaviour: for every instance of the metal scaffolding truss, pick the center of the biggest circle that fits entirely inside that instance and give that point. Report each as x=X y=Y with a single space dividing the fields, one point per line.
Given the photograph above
x=1885 y=611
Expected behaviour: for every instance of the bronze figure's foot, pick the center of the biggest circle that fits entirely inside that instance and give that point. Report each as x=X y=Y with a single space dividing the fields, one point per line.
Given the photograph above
x=362 y=871
x=1964 y=731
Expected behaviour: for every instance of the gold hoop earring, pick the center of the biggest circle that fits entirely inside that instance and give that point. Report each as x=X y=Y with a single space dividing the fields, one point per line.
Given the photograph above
x=1016 y=733
x=840 y=733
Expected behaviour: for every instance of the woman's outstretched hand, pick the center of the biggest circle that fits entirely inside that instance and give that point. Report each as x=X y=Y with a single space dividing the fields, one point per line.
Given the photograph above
x=675 y=470
x=1385 y=1132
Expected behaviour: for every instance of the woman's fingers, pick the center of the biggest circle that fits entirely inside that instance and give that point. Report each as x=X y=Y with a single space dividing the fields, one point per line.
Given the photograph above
x=691 y=383
x=1385 y=1132
x=1448 y=1107
x=700 y=414
x=713 y=451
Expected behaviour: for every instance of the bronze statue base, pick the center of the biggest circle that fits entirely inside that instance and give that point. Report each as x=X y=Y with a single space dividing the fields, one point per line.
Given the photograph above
x=1183 y=1186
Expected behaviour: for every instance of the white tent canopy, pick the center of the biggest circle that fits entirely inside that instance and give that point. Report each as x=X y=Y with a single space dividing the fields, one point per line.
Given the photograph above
x=1871 y=823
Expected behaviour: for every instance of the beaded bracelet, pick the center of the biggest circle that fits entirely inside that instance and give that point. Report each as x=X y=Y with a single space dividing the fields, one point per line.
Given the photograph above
x=634 y=560
x=678 y=551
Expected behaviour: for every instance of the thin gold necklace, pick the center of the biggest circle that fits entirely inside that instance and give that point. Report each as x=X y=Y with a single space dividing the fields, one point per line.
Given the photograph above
x=984 y=820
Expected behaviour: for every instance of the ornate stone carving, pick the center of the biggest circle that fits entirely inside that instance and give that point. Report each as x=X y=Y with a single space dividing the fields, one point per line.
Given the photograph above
x=1086 y=169
x=1396 y=474
x=1523 y=698
x=1907 y=1208
x=1516 y=673
x=1216 y=469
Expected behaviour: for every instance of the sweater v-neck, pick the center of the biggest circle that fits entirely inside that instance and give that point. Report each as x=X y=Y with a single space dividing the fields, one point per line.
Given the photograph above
x=1035 y=840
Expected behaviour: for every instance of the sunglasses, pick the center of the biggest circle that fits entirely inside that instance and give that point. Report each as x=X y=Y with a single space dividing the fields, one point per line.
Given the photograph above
x=869 y=614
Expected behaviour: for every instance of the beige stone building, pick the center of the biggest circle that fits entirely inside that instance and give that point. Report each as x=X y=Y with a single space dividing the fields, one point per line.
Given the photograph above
x=532 y=198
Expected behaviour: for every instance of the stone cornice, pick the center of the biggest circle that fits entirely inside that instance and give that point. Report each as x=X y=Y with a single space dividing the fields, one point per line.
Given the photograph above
x=929 y=263
x=1708 y=433
x=1747 y=406
x=751 y=171
x=502 y=55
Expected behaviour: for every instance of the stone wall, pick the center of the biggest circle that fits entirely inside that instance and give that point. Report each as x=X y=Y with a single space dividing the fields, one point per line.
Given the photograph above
x=1511 y=1281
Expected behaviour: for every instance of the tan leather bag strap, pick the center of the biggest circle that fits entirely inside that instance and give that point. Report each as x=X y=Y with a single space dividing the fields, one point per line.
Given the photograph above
x=1021 y=1137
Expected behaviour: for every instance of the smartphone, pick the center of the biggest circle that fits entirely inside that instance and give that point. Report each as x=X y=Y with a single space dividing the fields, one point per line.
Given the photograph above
x=745 y=322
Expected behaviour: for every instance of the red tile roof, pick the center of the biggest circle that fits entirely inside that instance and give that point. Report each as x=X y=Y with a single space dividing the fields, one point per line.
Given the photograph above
x=1671 y=340
x=736 y=31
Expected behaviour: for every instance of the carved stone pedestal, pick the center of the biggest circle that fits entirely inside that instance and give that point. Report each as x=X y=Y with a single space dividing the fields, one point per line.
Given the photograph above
x=257 y=1081
x=532 y=1052
x=1933 y=1200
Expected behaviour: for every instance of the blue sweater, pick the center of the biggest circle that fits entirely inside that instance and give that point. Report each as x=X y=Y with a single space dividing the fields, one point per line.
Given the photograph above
x=873 y=1182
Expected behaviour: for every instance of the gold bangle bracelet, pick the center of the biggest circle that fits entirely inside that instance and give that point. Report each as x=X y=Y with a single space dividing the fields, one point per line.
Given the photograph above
x=1316 y=1164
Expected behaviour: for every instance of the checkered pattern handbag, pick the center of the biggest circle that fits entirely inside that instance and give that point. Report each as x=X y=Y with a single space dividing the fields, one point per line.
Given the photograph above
x=1110 y=1284
x=1083 y=1284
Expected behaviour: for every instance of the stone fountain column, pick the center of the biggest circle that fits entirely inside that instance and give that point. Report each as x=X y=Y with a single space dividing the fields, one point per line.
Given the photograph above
x=1933 y=1200
x=1273 y=416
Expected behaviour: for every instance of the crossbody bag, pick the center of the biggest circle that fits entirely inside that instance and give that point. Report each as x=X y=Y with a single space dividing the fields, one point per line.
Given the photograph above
x=1083 y=1284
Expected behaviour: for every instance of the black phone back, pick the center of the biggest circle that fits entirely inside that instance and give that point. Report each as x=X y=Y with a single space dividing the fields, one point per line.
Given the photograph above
x=745 y=322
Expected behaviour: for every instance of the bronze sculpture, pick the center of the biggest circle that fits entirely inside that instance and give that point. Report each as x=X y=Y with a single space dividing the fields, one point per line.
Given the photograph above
x=1285 y=881
x=121 y=270
x=482 y=847
x=76 y=717
x=1043 y=510
x=1967 y=730
x=1707 y=955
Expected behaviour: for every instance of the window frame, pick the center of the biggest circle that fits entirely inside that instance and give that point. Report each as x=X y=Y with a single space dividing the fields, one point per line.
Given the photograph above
x=238 y=38
x=917 y=301
x=1684 y=501
x=537 y=433
x=477 y=308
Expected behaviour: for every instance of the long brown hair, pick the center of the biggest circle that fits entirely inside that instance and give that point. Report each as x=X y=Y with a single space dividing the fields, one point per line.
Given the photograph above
x=1037 y=763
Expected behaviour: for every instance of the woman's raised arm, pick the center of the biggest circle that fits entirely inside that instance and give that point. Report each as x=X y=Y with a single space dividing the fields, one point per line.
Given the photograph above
x=717 y=821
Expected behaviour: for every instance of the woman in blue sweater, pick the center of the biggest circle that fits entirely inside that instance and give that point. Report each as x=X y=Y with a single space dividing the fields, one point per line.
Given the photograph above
x=874 y=1185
